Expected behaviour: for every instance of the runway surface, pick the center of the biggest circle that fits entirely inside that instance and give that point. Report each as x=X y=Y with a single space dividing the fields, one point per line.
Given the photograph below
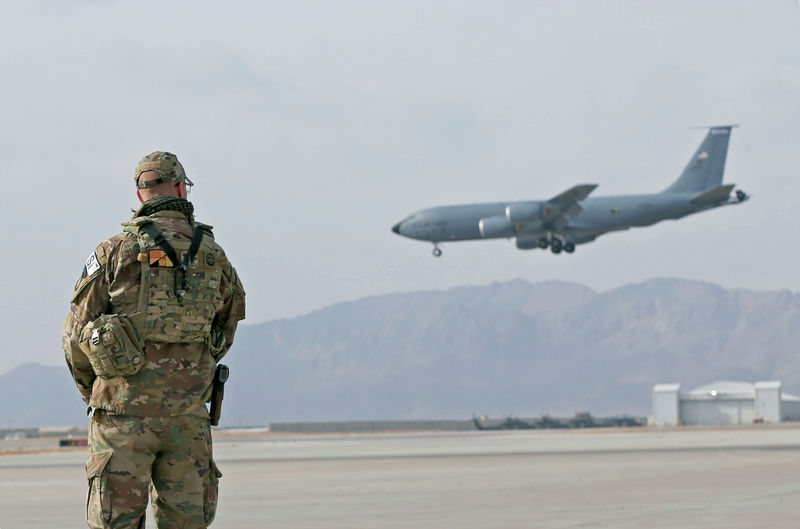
x=710 y=478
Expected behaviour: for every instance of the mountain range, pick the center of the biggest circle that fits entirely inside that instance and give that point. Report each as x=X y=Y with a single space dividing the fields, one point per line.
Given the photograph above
x=506 y=348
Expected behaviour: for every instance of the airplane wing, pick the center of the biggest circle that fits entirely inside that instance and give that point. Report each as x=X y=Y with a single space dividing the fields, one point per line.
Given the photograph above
x=573 y=194
x=567 y=202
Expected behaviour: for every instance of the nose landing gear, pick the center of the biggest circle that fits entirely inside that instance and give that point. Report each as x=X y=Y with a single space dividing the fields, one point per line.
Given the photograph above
x=437 y=252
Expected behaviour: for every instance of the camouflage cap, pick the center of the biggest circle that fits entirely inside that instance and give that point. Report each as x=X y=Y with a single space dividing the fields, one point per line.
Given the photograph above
x=165 y=164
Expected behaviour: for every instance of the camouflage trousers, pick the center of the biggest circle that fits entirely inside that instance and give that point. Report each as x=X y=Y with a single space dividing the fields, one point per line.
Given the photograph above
x=133 y=458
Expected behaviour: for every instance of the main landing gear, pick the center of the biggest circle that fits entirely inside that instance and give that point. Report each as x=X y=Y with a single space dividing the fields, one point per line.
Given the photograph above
x=437 y=252
x=556 y=245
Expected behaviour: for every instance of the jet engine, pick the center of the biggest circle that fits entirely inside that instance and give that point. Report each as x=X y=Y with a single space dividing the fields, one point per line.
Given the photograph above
x=495 y=227
x=523 y=213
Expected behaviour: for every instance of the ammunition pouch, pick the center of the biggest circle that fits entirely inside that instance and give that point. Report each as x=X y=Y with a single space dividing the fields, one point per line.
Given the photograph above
x=113 y=345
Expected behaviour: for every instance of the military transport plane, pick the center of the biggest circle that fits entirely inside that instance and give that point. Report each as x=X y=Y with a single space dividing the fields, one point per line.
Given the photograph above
x=573 y=218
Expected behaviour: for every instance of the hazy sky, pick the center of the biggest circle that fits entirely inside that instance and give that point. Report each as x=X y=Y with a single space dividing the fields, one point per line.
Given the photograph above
x=310 y=128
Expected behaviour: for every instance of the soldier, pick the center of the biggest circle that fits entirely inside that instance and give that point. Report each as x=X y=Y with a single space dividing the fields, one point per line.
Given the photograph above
x=153 y=312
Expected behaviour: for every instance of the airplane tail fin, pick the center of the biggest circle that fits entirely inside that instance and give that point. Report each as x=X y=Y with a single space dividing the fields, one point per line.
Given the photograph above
x=704 y=170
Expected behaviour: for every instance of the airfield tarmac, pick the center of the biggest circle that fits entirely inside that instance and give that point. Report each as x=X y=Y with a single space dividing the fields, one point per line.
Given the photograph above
x=623 y=478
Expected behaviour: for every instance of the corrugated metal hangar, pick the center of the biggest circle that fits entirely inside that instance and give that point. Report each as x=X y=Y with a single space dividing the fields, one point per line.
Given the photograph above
x=723 y=402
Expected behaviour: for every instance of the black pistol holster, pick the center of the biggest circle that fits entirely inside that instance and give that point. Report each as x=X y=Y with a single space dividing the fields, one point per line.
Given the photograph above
x=218 y=392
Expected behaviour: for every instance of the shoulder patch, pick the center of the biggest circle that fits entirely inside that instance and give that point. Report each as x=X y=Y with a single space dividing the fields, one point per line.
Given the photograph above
x=92 y=264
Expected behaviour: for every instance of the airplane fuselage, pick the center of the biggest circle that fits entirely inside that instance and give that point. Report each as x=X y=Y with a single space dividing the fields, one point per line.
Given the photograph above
x=598 y=214
x=572 y=217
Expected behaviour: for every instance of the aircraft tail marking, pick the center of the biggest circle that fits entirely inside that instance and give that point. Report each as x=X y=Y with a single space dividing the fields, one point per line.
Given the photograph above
x=705 y=168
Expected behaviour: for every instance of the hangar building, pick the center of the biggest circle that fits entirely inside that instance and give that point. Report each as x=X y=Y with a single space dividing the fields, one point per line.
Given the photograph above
x=723 y=402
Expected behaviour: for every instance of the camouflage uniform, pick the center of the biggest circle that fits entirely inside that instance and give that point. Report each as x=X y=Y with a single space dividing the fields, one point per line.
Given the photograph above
x=149 y=433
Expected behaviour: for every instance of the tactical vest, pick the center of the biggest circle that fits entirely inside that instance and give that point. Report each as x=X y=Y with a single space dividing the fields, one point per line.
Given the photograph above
x=180 y=281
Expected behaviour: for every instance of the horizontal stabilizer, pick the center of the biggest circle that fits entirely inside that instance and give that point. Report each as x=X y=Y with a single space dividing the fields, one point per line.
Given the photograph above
x=713 y=196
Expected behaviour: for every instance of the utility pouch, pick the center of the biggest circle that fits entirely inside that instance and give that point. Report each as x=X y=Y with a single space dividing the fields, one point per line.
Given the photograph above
x=113 y=345
x=216 y=343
